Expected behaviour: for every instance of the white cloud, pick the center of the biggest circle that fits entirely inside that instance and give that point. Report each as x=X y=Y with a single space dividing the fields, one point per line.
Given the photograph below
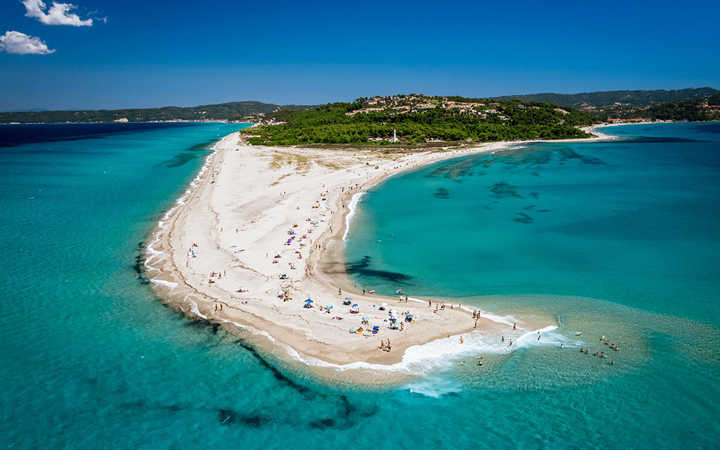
x=58 y=14
x=21 y=44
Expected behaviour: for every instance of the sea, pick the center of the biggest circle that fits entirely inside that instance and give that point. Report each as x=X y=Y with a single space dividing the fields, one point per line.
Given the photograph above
x=616 y=238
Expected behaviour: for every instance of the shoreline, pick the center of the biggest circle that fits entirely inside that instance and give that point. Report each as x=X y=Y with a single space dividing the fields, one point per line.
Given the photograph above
x=283 y=329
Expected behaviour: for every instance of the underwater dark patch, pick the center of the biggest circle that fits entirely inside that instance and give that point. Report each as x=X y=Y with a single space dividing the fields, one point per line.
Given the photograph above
x=322 y=424
x=362 y=267
x=276 y=372
x=504 y=190
x=178 y=160
x=229 y=417
x=202 y=147
x=567 y=154
x=139 y=266
x=523 y=218
x=442 y=193
x=457 y=169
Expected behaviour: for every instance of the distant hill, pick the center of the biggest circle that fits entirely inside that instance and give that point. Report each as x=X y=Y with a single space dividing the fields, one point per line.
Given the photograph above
x=695 y=109
x=223 y=111
x=600 y=100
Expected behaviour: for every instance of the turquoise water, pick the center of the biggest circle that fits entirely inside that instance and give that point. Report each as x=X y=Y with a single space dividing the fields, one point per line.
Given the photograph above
x=89 y=358
x=618 y=238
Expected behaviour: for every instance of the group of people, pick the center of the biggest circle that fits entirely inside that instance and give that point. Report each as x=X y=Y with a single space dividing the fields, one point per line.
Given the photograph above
x=218 y=275
x=385 y=346
x=609 y=344
x=601 y=354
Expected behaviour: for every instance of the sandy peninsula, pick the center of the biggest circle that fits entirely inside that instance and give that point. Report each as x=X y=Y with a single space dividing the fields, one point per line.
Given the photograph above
x=260 y=230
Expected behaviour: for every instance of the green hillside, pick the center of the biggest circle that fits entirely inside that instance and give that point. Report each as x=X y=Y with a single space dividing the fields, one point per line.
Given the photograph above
x=419 y=120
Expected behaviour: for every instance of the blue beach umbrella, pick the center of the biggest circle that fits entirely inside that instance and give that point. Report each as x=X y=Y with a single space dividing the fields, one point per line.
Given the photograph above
x=348 y=298
x=355 y=305
x=308 y=301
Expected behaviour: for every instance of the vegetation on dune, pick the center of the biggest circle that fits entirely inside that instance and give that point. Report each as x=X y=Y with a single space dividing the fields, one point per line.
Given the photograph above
x=417 y=120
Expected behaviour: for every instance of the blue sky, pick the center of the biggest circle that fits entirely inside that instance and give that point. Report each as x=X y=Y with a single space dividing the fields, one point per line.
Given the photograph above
x=155 y=53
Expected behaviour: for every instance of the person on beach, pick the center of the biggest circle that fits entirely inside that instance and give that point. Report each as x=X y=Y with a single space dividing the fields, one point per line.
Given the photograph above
x=502 y=338
x=514 y=325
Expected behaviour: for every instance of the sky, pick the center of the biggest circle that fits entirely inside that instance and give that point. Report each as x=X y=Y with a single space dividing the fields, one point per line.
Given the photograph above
x=117 y=54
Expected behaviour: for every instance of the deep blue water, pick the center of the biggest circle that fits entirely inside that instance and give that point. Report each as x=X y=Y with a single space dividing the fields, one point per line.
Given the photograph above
x=89 y=358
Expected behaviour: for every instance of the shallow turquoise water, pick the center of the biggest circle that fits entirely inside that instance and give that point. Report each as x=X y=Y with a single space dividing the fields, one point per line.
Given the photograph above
x=630 y=225
x=89 y=358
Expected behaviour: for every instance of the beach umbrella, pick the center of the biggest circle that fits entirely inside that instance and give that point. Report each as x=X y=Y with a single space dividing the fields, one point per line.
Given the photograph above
x=348 y=298
x=355 y=305
x=365 y=318
x=308 y=300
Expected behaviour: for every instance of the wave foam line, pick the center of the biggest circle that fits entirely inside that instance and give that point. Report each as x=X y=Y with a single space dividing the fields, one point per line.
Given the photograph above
x=351 y=212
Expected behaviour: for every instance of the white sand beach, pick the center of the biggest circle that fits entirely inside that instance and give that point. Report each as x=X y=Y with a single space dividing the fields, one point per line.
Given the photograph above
x=260 y=230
